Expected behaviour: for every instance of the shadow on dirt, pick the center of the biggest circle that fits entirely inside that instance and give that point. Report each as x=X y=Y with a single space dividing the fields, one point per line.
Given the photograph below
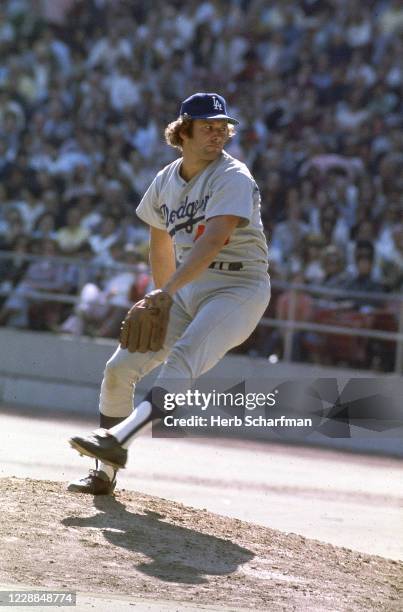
x=179 y=554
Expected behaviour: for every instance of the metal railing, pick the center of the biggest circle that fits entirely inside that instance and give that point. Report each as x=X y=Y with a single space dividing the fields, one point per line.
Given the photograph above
x=289 y=325
x=72 y=262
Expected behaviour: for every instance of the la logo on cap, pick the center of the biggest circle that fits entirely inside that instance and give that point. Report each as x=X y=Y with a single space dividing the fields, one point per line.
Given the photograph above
x=217 y=104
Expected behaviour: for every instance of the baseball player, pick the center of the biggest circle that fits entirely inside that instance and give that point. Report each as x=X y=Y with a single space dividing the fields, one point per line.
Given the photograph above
x=209 y=260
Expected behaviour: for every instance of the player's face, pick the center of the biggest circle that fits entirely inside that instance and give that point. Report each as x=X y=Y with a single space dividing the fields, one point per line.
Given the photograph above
x=208 y=139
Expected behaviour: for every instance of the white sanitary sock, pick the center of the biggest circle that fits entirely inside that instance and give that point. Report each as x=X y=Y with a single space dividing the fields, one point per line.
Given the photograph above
x=125 y=431
x=108 y=469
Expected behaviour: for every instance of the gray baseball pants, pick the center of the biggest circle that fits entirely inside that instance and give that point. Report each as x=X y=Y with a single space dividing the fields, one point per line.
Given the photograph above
x=208 y=317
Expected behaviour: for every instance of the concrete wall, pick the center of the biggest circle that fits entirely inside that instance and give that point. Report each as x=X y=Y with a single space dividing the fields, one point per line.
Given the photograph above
x=64 y=373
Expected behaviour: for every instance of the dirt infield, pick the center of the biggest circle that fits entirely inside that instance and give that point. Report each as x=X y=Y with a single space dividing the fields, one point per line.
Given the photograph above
x=154 y=548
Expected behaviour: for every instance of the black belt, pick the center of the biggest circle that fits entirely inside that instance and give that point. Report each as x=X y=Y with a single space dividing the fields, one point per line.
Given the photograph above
x=222 y=265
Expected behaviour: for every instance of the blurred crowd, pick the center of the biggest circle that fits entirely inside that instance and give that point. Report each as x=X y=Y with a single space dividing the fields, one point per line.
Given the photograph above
x=88 y=86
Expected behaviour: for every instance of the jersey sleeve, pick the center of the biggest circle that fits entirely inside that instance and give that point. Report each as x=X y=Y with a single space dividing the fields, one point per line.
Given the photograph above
x=232 y=193
x=148 y=210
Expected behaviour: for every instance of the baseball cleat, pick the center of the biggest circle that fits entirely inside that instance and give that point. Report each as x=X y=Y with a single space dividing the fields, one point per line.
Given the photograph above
x=96 y=483
x=101 y=445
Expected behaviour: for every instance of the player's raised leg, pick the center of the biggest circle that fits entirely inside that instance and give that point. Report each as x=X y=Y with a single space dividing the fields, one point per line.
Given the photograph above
x=225 y=321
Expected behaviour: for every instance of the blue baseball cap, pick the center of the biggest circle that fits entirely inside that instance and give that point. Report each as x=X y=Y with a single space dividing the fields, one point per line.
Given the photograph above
x=206 y=106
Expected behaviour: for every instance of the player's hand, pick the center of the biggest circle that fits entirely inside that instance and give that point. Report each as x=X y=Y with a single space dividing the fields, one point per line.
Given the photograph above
x=145 y=325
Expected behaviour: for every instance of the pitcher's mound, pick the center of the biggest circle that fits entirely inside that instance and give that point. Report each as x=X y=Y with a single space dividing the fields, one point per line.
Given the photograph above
x=158 y=549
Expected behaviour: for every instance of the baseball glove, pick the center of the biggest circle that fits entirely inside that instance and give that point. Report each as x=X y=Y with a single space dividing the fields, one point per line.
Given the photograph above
x=145 y=325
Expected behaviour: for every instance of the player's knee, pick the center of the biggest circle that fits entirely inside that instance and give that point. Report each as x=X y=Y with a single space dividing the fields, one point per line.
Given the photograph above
x=115 y=373
x=120 y=370
x=180 y=360
x=111 y=376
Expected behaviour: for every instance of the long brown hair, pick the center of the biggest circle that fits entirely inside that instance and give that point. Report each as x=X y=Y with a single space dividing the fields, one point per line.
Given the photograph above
x=184 y=124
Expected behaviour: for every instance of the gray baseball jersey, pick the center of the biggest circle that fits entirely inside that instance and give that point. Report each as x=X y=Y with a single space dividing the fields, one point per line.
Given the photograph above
x=225 y=187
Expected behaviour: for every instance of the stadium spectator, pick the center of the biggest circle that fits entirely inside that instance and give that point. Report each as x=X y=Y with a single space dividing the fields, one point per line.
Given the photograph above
x=87 y=87
x=392 y=261
x=364 y=279
x=45 y=227
x=102 y=306
x=47 y=275
x=102 y=239
x=11 y=227
x=71 y=236
x=13 y=266
x=289 y=234
x=30 y=208
x=311 y=259
x=334 y=267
